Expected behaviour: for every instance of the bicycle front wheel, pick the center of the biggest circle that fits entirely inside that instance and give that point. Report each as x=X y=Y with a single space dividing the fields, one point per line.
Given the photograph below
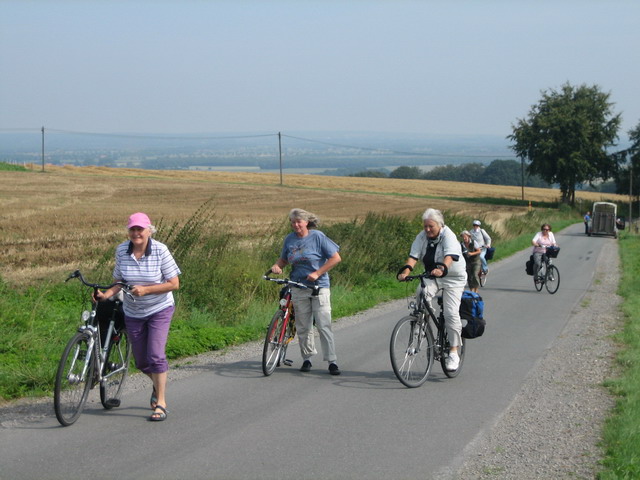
x=482 y=278
x=271 y=352
x=553 y=279
x=411 y=351
x=115 y=370
x=73 y=379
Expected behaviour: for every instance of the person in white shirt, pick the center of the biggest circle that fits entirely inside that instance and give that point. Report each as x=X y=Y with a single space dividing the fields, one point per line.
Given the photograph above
x=483 y=240
x=543 y=239
x=437 y=244
x=149 y=266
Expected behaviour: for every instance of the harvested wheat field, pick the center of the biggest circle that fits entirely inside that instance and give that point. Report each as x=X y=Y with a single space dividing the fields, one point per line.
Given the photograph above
x=51 y=221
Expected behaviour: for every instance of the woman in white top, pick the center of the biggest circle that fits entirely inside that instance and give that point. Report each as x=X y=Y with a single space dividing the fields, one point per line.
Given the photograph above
x=543 y=239
x=438 y=244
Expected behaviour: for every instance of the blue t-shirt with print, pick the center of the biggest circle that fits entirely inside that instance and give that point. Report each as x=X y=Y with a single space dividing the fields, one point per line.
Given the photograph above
x=308 y=254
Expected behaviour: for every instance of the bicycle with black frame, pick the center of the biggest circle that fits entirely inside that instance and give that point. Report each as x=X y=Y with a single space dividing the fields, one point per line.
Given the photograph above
x=282 y=328
x=98 y=353
x=548 y=274
x=414 y=346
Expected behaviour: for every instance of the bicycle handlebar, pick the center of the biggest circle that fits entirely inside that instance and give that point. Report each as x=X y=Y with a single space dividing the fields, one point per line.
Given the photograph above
x=286 y=281
x=77 y=274
x=445 y=270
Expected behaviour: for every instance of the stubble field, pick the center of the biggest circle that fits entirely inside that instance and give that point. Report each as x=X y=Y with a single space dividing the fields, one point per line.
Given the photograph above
x=52 y=221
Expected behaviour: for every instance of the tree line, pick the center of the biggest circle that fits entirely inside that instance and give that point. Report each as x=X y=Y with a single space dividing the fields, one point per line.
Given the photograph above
x=498 y=172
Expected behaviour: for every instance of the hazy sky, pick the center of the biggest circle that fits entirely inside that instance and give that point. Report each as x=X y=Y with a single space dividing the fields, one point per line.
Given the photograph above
x=434 y=67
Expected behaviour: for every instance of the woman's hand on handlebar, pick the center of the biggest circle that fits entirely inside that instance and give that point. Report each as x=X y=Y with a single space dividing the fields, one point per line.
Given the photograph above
x=275 y=269
x=437 y=272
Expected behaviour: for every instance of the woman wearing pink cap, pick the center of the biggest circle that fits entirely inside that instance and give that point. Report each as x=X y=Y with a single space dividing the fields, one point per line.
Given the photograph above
x=149 y=266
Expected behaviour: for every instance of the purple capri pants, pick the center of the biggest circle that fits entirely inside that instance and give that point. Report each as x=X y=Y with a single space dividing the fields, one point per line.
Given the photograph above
x=148 y=337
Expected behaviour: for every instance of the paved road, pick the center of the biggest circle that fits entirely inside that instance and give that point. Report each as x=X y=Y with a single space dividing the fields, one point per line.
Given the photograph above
x=231 y=422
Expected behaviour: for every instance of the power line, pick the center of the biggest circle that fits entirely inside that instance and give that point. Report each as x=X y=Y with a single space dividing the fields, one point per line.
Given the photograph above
x=159 y=137
x=382 y=151
x=397 y=152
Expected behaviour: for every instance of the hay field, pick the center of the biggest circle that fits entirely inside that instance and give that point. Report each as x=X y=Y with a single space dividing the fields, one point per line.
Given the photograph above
x=51 y=222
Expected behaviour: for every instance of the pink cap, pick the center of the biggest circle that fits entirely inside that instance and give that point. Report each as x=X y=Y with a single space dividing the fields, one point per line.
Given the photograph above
x=139 y=220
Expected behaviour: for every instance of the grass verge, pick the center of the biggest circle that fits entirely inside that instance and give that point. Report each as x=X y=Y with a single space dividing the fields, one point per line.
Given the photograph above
x=621 y=436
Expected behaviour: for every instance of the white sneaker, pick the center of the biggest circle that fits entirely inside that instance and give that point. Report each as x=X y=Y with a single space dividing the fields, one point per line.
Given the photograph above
x=453 y=362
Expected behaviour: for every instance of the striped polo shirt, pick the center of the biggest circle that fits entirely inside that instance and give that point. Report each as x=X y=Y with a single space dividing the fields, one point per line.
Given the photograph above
x=155 y=266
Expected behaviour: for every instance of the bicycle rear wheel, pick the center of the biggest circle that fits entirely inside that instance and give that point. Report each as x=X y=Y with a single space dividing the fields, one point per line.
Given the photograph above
x=553 y=279
x=445 y=354
x=541 y=278
x=115 y=370
x=73 y=379
x=272 y=350
x=411 y=351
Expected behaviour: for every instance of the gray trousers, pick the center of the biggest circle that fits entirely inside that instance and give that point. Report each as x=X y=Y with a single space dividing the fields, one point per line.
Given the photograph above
x=307 y=308
x=451 y=297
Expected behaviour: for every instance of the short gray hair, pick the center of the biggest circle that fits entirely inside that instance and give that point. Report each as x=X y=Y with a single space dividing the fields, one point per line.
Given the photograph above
x=152 y=230
x=435 y=215
x=300 y=214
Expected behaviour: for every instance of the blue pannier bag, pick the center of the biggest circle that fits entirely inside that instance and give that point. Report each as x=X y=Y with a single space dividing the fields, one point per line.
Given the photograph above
x=472 y=315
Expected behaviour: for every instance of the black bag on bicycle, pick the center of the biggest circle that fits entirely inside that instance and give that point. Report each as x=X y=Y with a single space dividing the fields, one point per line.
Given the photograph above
x=472 y=315
x=105 y=311
x=489 y=253
x=529 y=266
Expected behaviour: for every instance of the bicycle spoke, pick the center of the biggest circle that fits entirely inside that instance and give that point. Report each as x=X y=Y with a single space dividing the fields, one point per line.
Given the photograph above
x=115 y=370
x=73 y=379
x=271 y=351
x=553 y=279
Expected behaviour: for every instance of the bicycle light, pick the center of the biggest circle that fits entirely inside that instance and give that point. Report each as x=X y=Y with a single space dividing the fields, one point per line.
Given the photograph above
x=86 y=315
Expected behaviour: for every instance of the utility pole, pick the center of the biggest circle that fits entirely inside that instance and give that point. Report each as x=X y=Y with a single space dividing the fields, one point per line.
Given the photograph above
x=43 y=149
x=630 y=192
x=280 y=150
x=522 y=174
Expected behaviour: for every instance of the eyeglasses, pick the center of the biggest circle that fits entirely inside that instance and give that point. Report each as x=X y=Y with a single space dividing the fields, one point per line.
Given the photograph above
x=545 y=229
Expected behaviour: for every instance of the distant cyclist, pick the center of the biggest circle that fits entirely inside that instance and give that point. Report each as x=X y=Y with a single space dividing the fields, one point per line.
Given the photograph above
x=483 y=240
x=543 y=239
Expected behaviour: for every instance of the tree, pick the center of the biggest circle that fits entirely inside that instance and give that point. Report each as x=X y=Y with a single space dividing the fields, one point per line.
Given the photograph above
x=633 y=152
x=565 y=138
x=509 y=172
x=406 y=172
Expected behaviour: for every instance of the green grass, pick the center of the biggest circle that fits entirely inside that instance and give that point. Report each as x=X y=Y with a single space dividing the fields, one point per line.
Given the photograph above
x=621 y=437
x=9 y=167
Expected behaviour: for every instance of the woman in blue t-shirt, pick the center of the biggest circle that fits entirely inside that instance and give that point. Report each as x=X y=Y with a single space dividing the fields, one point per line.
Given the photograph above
x=311 y=255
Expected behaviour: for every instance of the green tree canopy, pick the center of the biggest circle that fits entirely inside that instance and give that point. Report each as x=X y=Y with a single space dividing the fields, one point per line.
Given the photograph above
x=633 y=167
x=566 y=135
x=406 y=172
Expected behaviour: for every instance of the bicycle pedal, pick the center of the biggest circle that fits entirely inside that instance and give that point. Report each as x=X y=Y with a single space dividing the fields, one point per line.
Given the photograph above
x=113 y=402
x=288 y=362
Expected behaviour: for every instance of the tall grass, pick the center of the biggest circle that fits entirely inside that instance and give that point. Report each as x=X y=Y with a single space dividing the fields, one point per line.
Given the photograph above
x=222 y=300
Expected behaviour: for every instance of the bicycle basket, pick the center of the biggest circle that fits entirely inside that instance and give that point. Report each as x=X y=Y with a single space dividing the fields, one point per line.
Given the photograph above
x=552 y=252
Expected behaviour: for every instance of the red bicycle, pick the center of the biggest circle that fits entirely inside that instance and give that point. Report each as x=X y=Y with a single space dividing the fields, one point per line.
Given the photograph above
x=282 y=328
